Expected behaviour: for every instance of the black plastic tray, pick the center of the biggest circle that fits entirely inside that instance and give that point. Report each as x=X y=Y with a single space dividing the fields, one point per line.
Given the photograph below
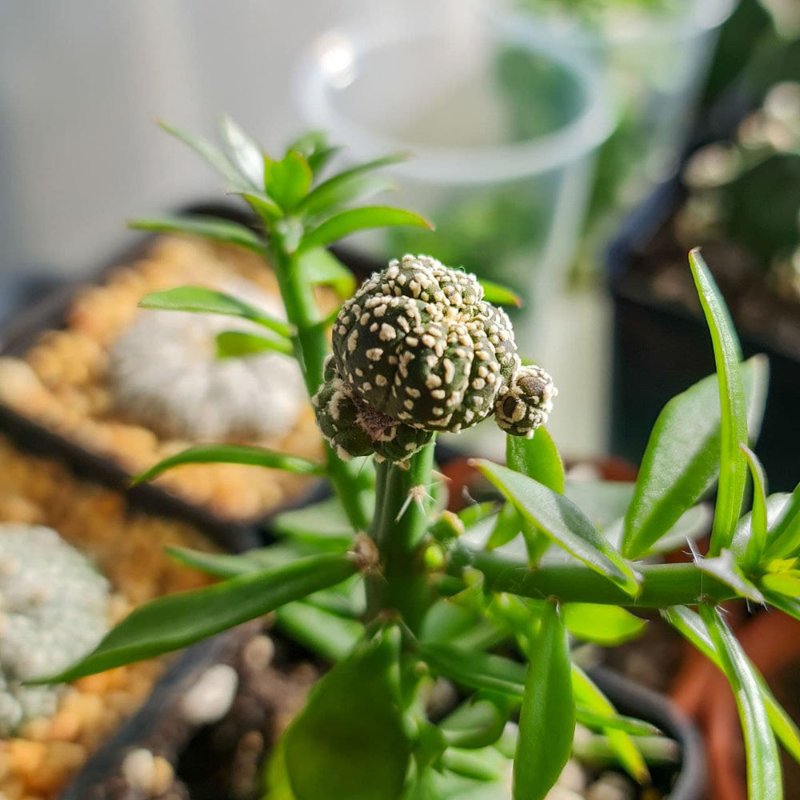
x=20 y=331
x=155 y=722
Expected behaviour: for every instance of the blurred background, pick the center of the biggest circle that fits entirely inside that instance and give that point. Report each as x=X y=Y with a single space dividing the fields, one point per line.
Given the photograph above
x=538 y=126
x=571 y=150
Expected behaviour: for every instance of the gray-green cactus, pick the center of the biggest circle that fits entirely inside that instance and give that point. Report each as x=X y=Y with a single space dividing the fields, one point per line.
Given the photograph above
x=164 y=373
x=53 y=610
x=416 y=351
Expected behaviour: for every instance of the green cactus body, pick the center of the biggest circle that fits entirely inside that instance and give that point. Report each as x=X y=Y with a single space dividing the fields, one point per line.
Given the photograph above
x=416 y=351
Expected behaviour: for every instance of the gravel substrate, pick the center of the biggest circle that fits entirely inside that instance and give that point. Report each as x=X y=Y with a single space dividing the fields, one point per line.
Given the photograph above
x=127 y=548
x=62 y=382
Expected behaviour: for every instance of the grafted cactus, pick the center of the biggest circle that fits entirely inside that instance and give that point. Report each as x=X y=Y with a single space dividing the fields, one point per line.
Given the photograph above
x=416 y=351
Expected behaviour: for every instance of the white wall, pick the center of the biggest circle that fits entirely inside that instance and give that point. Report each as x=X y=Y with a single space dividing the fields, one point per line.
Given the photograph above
x=81 y=83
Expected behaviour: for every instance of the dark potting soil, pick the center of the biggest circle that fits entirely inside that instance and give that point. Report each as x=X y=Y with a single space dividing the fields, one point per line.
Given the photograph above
x=762 y=307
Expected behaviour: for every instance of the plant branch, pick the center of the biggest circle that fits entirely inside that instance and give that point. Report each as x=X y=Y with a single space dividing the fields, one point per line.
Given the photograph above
x=663 y=585
x=311 y=348
x=398 y=528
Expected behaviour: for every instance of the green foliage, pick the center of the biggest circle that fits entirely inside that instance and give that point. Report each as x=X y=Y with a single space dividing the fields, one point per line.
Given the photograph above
x=784 y=537
x=349 y=742
x=172 y=622
x=322 y=268
x=606 y=625
x=239 y=344
x=232 y=454
x=398 y=592
x=763 y=766
x=217 y=230
x=330 y=635
x=353 y=220
x=547 y=716
x=589 y=695
x=757 y=541
x=564 y=522
x=733 y=419
x=499 y=295
x=691 y=626
x=201 y=300
x=476 y=723
x=538 y=458
x=682 y=459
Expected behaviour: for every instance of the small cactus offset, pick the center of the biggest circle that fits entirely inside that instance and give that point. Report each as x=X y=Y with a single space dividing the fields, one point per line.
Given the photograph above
x=418 y=351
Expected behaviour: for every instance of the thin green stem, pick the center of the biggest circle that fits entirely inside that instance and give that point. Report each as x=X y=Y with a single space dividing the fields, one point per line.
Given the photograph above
x=663 y=585
x=401 y=584
x=311 y=348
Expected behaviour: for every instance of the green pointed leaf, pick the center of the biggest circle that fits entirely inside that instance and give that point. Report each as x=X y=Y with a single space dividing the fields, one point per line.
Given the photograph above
x=324 y=521
x=475 y=670
x=355 y=183
x=538 y=458
x=172 y=622
x=211 y=154
x=287 y=181
x=202 y=300
x=225 y=565
x=320 y=267
x=446 y=620
x=331 y=636
x=266 y=208
x=486 y=765
x=244 y=153
x=276 y=776
x=783 y=583
x=358 y=219
x=563 y=522
x=784 y=536
x=691 y=627
x=789 y=605
x=449 y=785
x=475 y=513
x=240 y=344
x=547 y=716
x=691 y=526
x=764 y=780
x=752 y=549
x=588 y=696
x=218 y=230
x=232 y=454
x=314 y=147
x=733 y=421
x=617 y=722
x=349 y=742
x=477 y=723
x=602 y=624
x=603 y=502
x=499 y=295
x=507 y=526
x=724 y=568
x=681 y=462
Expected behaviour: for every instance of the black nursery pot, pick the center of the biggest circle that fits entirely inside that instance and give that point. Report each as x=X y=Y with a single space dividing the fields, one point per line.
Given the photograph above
x=660 y=348
x=689 y=782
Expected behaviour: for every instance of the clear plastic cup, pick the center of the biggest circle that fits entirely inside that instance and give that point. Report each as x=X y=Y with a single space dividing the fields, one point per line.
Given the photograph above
x=502 y=124
x=656 y=56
